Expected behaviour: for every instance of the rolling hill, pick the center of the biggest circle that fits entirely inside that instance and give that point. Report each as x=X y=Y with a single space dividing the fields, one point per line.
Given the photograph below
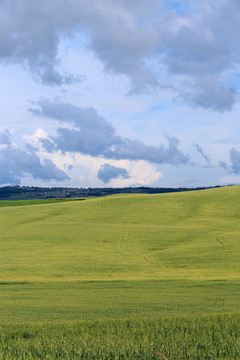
x=121 y=255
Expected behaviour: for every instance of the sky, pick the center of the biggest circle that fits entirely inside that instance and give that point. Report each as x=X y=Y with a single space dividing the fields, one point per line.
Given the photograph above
x=106 y=93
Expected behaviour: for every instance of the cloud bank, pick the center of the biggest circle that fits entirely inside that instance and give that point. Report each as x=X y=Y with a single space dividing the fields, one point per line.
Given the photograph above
x=15 y=163
x=194 y=47
x=94 y=135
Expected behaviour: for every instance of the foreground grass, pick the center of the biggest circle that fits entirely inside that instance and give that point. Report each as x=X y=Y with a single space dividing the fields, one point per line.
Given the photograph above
x=115 y=299
x=198 y=338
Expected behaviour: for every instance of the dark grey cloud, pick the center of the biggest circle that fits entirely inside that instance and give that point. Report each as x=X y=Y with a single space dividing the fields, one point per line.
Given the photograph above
x=108 y=172
x=234 y=166
x=15 y=163
x=201 y=48
x=5 y=138
x=137 y=150
x=195 y=48
x=31 y=33
x=94 y=135
x=201 y=152
x=48 y=75
x=208 y=93
x=225 y=166
x=47 y=145
x=86 y=118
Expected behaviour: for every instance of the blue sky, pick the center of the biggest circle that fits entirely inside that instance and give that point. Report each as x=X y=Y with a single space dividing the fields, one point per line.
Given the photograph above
x=127 y=93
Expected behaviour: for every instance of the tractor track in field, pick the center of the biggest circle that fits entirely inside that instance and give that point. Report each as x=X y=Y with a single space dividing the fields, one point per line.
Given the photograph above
x=225 y=245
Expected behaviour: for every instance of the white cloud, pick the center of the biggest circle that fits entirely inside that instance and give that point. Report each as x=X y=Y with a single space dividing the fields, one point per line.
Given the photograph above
x=194 y=49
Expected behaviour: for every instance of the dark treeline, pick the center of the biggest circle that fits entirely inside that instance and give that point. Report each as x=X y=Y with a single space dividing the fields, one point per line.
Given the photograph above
x=31 y=192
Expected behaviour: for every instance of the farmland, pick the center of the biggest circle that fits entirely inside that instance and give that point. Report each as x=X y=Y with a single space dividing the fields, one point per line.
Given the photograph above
x=137 y=261
x=211 y=337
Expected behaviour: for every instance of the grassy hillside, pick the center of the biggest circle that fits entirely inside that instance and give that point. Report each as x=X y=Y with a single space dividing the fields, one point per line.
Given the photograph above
x=193 y=235
x=121 y=256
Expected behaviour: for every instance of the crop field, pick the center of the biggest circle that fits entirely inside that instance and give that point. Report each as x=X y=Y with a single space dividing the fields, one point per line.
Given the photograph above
x=211 y=337
x=122 y=276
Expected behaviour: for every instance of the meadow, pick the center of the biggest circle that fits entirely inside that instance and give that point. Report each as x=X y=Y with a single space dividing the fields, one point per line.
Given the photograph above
x=120 y=276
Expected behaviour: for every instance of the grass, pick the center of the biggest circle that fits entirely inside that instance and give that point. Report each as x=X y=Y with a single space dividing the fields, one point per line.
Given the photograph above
x=196 y=338
x=190 y=236
x=77 y=301
x=129 y=257
x=6 y=203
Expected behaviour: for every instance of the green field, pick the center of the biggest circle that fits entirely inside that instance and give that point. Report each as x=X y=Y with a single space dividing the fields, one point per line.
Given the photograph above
x=123 y=257
x=212 y=337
